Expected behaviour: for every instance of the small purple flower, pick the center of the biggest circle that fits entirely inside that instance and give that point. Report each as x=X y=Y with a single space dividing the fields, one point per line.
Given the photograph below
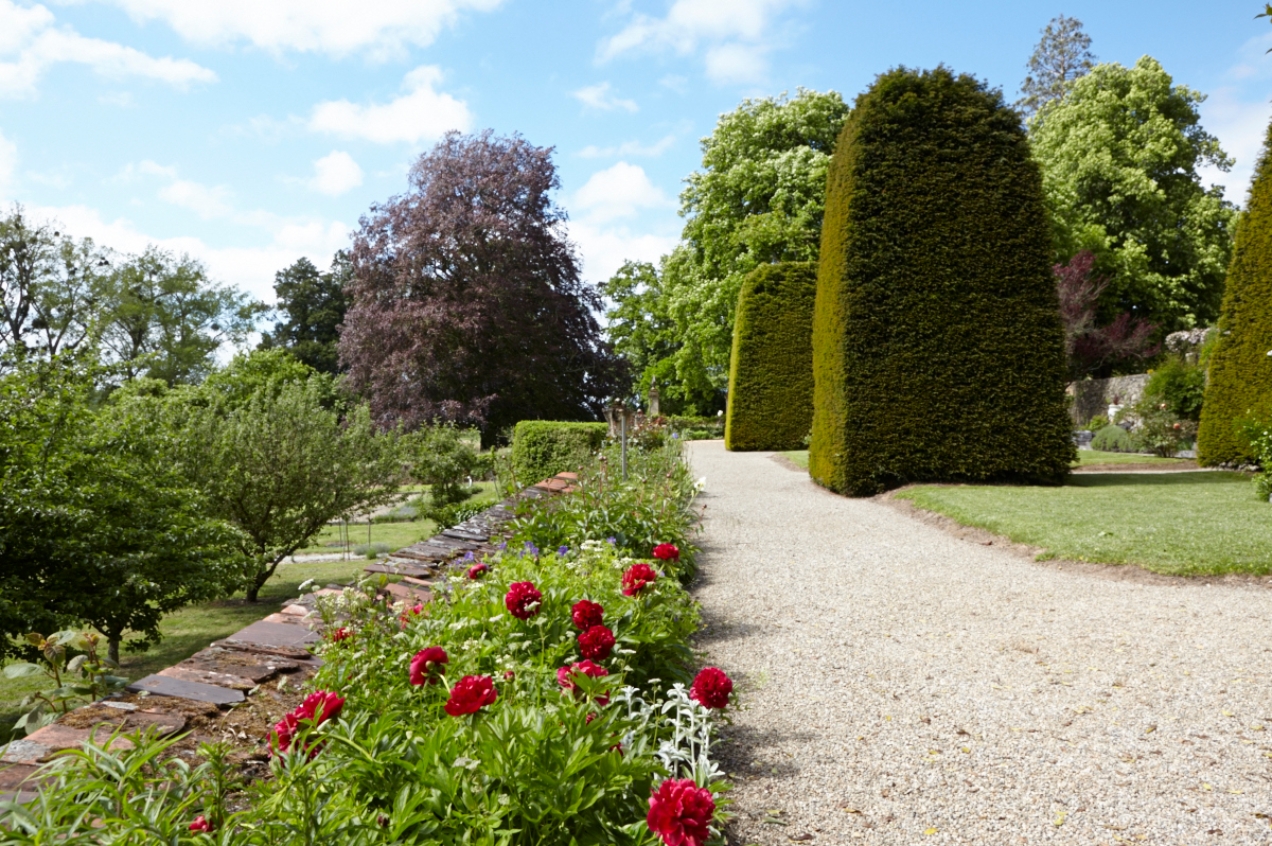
x=675 y=436
x=562 y=550
x=531 y=548
x=468 y=556
x=503 y=545
x=611 y=541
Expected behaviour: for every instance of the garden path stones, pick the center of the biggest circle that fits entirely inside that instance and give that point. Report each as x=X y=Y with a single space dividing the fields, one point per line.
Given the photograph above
x=899 y=680
x=274 y=634
x=208 y=677
x=160 y=685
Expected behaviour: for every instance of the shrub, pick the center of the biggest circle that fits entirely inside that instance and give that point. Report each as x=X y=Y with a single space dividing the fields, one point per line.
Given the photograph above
x=770 y=402
x=1240 y=370
x=444 y=462
x=1160 y=430
x=696 y=428
x=938 y=351
x=543 y=448
x=1097 y=423
x=1181 y=385
x=1111 y=439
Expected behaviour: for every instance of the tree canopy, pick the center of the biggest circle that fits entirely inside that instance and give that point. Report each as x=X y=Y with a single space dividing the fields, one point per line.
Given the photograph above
x=1063 y=55
x=313 y=306
x=758 y=198
x=466 y=303
x=1120 y=154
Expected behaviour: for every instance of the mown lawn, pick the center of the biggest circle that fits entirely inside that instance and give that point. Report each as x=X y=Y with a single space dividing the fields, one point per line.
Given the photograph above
x=1086 y=458
x=191 y=629
x=1176 y=523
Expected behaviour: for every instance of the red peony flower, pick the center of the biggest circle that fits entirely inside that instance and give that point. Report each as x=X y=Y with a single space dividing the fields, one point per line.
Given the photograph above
x=596 y=643
x=201 y=824
x=477 y=570
x=428 y=666
x=565 y=677
x=680 y=812
x=339 y=635
x=711 y=688
x=509 y=675
x=637 y=577
x=523 y=600
x=318 y=707
x=415 y=611
x=470 y=694
x=667 y=552
x=587 y=613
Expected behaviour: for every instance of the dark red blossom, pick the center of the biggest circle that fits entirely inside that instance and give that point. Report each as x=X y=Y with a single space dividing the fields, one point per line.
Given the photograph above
x=470 y=694
x=711 y=688
x=637 y=577
x=201 y=824
x=587 y=613
x=428 y=666
x=667 y=552
x=477 y=570
x=316 y=709
x=680 y=812
x=523 y=600
x=339 y=635
x=596 y=643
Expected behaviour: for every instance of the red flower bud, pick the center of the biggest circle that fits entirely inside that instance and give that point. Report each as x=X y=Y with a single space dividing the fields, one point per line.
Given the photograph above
x=711 y=688
x=470 y=694
x=667 y=552
x=428 y=666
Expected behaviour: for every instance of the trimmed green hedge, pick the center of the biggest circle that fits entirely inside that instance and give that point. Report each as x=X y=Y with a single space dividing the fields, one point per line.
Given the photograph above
x=543 y=448
x=1240 y=381
x=771 y=370
x=938 y=351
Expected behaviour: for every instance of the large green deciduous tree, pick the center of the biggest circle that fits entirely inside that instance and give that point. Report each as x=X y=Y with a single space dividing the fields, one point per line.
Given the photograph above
x=313 y=305
x=279 y=463
x=96 y=527
x=1120 y=154
x=757 y=199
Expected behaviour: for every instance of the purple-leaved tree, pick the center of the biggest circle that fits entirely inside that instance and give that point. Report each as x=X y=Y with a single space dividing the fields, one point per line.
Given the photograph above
x=466 y=303
x=1093 y=350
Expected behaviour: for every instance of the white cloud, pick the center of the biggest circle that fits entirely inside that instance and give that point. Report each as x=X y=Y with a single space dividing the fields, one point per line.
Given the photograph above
x=601 y=97
x=208 y=202
x=30 y=44
x=421 y=114
x=1241 y=128
x=336 y=173
x=629 y=148
x=604 y=249
x=736 y=35
x=8 y=165
x=618 y=191
x=385 y=28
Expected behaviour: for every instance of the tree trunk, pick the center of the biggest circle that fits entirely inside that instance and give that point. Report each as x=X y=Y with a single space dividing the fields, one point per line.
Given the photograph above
x=253 y=590
x=112 y=647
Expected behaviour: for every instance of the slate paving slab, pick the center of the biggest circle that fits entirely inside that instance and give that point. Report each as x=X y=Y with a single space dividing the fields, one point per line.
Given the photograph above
x=303 y=658
x=256 y=667
x=392 y=567
x=207 y=677
x=275 y=634
x=17 y=775
x=160 y=685
x=23 y=751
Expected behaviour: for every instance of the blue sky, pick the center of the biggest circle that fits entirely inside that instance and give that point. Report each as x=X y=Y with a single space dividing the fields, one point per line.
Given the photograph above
x=248 y=133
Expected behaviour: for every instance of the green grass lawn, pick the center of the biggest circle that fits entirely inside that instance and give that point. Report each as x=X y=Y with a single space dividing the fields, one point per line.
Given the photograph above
x=1086 y=458
x=394 y=535
x=191 y=629
x=1177 y=524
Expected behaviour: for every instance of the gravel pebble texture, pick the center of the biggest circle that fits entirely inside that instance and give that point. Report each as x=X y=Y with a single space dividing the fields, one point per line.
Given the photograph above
x=900 y=685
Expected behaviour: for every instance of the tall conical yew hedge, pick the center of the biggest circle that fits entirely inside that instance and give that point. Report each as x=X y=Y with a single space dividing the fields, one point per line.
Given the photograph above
x=771 y=368
x=1240 y=379
x=938 y=352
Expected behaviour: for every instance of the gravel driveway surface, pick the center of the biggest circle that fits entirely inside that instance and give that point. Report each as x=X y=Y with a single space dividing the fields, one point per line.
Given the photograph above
x=903 y=686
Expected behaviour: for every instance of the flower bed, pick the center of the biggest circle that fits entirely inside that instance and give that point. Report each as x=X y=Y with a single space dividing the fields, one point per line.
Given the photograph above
x=546 y=699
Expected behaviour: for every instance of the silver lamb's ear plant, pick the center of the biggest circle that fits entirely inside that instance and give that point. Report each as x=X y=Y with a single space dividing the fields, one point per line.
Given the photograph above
x=688 y=752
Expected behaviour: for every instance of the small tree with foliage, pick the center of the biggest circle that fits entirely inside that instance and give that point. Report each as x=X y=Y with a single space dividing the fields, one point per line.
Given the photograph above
x=280 y=464
x=1062 y=56
x=1092 y=348
x=313 y=306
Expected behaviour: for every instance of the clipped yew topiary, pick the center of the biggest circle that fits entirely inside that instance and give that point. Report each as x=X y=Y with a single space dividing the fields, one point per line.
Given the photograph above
x=771 y=369
x=1240 y=383
x=543 y=448
x=938 y=351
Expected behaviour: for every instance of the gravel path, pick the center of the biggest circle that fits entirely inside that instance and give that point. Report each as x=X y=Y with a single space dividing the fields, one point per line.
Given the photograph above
x=902 y=686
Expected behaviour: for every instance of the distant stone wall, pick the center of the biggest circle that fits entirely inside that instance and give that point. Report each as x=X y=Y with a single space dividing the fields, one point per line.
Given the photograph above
x=1094 y=396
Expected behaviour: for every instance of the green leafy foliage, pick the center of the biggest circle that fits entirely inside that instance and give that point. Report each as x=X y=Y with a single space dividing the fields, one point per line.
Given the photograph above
x=1159 y=430
x=1240 y=382
x=543 y=448
x=96 y=526
x=444 y=460
x=79 y=678
x=771 y=370
x=1180 y=384
x=1120 y=154
x=758 y=198
x=938 y=351
x=312 y=305
x=1111 y=438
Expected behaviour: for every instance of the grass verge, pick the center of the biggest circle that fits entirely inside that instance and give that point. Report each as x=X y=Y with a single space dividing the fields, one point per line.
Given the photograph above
x=1185 y=524
x=1086 y=458
x=189 y=630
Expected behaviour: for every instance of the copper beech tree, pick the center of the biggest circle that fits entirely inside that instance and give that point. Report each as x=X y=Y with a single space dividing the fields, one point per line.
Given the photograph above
x=466 y=303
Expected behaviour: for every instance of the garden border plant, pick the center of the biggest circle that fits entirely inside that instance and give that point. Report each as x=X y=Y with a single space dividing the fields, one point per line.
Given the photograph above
x=544 y=700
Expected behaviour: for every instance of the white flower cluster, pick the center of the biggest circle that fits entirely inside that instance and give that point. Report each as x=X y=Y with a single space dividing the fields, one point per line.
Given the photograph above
x=688 y=752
